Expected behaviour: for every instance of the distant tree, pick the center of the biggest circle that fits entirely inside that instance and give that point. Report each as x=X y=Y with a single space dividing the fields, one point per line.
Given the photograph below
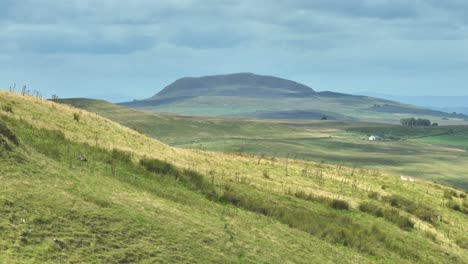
x=24 y=90
x=55 y=98
x=408 y=121
x=324 y=118
x=435 y=124
x=415 y=122
x=423 y=122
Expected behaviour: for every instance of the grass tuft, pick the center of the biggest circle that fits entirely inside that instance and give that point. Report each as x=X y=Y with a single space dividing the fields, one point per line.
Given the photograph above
x=9 y=134
x=7 y=108
x=419 y=210
x=339 y=204
x=388 y=213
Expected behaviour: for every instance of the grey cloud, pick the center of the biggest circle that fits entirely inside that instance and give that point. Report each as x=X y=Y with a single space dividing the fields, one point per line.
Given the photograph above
x=207 y=39
x=60 y=42
x=385 y=9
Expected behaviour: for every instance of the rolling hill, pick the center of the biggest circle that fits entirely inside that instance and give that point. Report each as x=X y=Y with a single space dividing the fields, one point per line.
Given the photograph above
x=431 y=153
x=78 y=187
x=250 y=95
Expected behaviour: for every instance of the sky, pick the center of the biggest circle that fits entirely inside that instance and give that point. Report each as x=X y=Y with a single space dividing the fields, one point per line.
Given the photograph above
x=132 y=49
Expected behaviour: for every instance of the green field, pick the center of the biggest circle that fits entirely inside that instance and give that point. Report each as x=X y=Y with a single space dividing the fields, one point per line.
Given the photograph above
x=448 y=140
x=404 y=150
x=136 y=200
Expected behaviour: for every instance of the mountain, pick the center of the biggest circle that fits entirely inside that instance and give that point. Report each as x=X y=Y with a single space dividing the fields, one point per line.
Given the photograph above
x=240 y=84
x=251 y=95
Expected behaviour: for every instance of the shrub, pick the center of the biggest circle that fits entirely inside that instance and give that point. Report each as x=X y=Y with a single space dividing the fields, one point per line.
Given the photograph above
x=455 y=206
x=139 y=131
x=371 y=208
x=388 y=213
x=394 y=216
x=197 y=182
x=309 y=197
x=421 y=211
x=448 y=194
x=463 y=243
x=373 y=195
x=119 y=155
x=331 y=226
x=190 y=178
x=430 y=235
x=5 y=131
x=465 y=203
x=339 y=204
x=7 y=108
x=158 y=166
x=76 y=117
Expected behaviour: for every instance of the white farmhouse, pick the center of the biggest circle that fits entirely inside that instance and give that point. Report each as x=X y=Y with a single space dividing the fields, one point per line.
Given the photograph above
x=374 y=138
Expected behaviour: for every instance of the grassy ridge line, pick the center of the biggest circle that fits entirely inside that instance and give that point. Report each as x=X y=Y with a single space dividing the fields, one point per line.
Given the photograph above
x=359 y=237
x=54 y=213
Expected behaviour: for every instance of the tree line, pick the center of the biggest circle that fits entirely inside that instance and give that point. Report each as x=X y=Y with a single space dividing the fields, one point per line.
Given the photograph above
x=417 y=122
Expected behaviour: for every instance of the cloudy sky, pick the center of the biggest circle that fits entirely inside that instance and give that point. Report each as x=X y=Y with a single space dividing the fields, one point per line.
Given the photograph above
x=135 y=48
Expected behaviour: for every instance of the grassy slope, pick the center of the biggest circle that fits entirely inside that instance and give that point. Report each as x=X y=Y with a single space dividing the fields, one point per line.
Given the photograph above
x=54 y=212
x=361 y=108
x=331 y=141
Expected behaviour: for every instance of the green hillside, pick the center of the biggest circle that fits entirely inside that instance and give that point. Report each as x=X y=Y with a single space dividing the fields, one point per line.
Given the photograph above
x=250 y=95
x=416 y=151
x=136 y=200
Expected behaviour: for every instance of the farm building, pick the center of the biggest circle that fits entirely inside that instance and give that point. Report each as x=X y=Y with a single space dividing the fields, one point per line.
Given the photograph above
x=374 y=138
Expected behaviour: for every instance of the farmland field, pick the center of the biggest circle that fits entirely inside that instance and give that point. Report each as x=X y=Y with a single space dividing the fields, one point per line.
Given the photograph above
x=404 y=150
